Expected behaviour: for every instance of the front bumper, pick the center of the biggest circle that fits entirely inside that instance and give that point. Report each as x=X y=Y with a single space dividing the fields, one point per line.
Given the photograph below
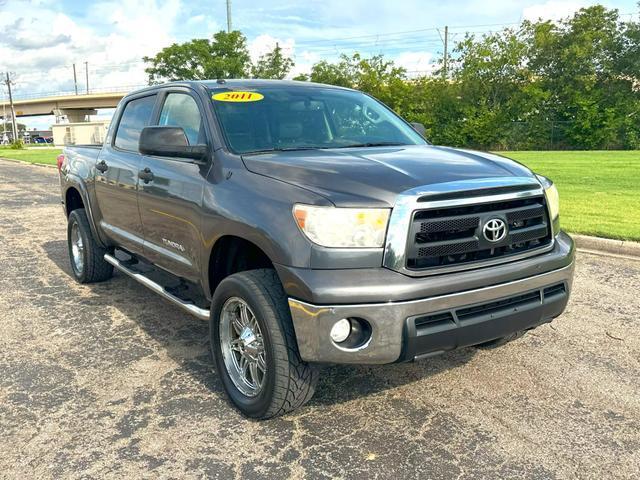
x=405 y=330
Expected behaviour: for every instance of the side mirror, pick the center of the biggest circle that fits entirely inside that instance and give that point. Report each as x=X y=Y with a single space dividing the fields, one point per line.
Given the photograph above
x=418 y=127
x=169 y=142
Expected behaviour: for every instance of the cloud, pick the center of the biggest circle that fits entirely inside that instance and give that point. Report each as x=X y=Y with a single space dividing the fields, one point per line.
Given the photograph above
x=196 y=19
x=30 y=43
x=416 y=62
x=263 y=44
x=41 y=44
x=41 y=40
x=553 y=10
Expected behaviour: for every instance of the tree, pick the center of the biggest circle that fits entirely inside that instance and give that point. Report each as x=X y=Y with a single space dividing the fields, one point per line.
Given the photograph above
x=376 y=75
x=6 y=127
x=491 y=72
x=226 y=56
x=587 y=64
x=272 y=65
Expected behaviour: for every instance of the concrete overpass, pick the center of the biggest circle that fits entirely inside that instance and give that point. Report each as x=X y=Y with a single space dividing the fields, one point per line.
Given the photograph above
x=75 y=107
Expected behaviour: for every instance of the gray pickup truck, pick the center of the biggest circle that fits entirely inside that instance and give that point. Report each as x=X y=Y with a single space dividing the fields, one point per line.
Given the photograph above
x=311 y=225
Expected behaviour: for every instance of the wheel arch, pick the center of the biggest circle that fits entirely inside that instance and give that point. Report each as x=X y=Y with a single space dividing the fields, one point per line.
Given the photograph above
x=72 y=200
x=233 y=254
x=76 y=196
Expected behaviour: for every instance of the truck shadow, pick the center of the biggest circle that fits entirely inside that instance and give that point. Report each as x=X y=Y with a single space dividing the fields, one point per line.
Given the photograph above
x=185 y=339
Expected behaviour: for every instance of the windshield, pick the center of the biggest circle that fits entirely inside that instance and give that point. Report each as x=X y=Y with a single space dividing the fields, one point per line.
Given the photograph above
x=294 y=118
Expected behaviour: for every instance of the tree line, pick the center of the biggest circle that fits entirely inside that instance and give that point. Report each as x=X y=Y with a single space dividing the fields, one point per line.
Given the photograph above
x=573 y=84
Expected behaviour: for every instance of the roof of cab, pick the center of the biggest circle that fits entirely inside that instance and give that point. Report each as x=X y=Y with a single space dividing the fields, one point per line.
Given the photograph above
x=237 y=84
x=257 y=83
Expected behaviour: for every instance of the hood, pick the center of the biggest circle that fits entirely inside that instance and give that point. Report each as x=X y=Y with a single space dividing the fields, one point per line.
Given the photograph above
x=374 y=176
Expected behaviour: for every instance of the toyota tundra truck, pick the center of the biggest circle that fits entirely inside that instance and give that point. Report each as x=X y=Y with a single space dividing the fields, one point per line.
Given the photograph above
x=311 y=225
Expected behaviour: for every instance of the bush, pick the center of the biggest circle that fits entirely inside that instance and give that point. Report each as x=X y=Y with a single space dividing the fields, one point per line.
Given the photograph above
x=17 y=145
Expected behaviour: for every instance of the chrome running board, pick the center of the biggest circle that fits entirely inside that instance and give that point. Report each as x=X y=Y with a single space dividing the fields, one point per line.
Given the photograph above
x=201 y=313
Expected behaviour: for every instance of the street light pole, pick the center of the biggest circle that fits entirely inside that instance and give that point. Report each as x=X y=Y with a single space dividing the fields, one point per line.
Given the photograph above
x=228 y=16
x=13 y=112
x=446 y=52
x=75 y=79
x=86 y=70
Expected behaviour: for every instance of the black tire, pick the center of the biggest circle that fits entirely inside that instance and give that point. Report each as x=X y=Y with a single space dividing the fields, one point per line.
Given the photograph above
x=94 y=268
x=498 y=342
x=289 y=381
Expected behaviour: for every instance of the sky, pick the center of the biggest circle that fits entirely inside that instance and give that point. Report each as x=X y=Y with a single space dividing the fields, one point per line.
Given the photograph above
x=40 y=40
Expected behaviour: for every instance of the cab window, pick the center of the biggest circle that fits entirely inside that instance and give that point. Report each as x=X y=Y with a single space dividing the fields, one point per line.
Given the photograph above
x=137 y=115
x=181 y=110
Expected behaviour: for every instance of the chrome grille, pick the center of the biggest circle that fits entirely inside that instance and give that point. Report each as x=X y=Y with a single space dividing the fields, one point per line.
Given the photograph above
x=449 y=236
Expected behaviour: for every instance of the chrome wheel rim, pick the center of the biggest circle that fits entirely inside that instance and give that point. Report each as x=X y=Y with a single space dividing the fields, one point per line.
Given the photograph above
x=77 y=248
x=242 y=347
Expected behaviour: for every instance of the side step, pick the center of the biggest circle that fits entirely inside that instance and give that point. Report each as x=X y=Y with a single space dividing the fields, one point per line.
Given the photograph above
x=201 y=313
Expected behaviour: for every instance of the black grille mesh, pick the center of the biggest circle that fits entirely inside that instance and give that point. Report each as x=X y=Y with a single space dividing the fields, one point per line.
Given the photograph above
x=532 y=234
x=448 y=249
x=525 y=214
x=452 y=224
x=453 y=235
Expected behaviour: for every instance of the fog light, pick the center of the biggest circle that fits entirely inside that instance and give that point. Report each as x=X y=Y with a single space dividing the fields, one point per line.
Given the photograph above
x=340 y=330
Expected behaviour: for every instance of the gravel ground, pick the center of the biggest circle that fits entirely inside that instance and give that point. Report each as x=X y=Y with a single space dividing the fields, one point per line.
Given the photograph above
x=110 y=381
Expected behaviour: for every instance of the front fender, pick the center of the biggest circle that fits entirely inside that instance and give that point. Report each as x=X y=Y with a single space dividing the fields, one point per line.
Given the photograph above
x=257 y=209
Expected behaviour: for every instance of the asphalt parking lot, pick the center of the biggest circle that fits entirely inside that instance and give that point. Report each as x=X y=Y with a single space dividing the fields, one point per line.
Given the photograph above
x=110 y=381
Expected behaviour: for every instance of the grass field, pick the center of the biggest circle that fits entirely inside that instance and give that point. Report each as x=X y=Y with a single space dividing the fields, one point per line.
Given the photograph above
x=32 y=155
x=599 y=191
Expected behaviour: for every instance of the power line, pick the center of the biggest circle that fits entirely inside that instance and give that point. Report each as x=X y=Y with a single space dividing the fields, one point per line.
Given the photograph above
x=380 y=43
x=403 y=32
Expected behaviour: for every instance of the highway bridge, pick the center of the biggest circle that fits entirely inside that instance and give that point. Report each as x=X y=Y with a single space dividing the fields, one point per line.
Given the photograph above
x=75 y=107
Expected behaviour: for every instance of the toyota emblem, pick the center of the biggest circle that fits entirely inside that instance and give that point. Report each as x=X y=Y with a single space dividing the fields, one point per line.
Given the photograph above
x=494 y=230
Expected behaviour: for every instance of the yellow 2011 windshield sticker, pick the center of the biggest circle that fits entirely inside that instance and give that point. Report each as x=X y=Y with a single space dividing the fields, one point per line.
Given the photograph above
x=238 y=96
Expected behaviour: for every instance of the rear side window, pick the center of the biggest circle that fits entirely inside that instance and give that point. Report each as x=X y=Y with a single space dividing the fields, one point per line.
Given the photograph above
x=181 y=110
x=137 y=115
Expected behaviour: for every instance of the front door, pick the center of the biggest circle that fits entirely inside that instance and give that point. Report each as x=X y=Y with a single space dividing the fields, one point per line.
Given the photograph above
x=117 y=171
x=170 y=199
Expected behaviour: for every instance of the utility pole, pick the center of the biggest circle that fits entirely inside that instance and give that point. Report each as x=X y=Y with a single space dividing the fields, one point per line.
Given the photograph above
x=13 y=112
x=86 y=70
x=445 y=65
x=228 y=16
x=75 y=78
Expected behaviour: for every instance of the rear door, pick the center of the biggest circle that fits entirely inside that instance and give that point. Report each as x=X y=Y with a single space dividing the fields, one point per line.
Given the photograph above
x=117 y=171
x=170 y=203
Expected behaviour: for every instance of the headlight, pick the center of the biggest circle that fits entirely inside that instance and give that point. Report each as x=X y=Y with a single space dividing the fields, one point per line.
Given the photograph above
x=553 y=199
x=343 y=227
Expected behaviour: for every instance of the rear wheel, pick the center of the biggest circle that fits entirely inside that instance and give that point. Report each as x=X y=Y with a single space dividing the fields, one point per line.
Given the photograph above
x=86 y=256
x=254 y=347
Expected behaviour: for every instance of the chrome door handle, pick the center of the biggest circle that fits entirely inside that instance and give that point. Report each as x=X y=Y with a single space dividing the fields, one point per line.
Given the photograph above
x=146 y=175
x=102 y=166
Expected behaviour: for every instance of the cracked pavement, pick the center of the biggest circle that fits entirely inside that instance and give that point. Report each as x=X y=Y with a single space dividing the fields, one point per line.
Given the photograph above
x=111 y=381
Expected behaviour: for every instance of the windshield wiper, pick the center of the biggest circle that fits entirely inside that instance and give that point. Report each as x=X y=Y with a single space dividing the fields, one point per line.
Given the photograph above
x=373 y=144
x=300 y=148
x=281 y=149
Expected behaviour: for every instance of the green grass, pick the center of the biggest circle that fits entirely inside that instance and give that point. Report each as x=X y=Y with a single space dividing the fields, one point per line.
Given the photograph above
x=36 y=155
x=599 y=191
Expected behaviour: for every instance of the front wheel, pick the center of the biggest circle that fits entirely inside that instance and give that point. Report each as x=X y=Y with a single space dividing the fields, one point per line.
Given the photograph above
x=254 y=347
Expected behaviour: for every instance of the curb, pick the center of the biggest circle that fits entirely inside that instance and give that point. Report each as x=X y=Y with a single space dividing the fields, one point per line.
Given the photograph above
x=604 y=245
